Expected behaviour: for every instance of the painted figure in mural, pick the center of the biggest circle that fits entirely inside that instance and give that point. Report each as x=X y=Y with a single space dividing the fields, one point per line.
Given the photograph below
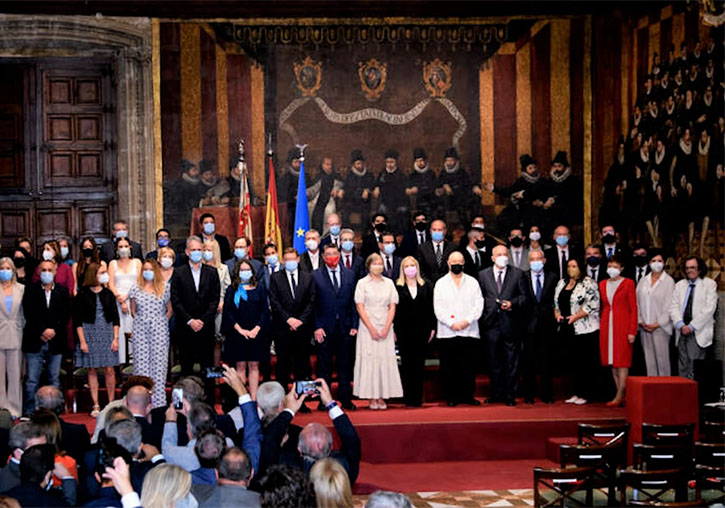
x=564 y=199
x=422 y=183
x=288 y=178
x=214 y=187
x=358 y=188
x=455 y=190
x=181 y=197
x=391 y=191
x=323 y=194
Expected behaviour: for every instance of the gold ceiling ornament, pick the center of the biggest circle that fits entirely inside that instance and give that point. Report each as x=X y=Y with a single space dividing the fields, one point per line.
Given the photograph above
x=437 y=77
x=309 y=76
x=373 y=76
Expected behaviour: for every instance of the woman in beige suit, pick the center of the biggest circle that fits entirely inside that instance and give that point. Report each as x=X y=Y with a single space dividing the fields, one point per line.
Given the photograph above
x=11 y=335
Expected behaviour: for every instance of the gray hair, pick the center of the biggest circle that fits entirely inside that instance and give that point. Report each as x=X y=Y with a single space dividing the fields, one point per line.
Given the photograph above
x=49 y=397
x=315 y=441
x=347 y=231
x=193 y=238
x=193 y=389
x=110 y=416
x=269 y=396
x=201 y=417
x=127 y=434
x=21 y=433
x=388 y=499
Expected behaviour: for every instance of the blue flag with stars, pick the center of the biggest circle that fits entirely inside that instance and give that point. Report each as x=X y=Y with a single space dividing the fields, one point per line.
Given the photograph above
x=302 y=215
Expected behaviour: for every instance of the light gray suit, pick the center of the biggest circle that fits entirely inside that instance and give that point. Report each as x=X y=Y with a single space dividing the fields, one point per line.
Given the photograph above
x=11 y=357
x=225 y=496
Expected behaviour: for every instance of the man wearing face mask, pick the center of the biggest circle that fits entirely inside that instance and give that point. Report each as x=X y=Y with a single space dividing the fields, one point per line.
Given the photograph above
x=391 y=191
x=163 y=239
x=348 y=257
x=593 y=258
x=413 y=238
x=391 y=263
x=458 y=304
x=108 y=249
x=433 y=254
x=195 y=290
x=610 y=245
x=518 y=252
x=334 y=226
x=640 y=267
x=208 y=232
x=486 y=246
x=242 y=250
x=504 y=291
x=557 y=257
x=271 y=264
x=372 y=239
x=310 y=260
x=472 y=256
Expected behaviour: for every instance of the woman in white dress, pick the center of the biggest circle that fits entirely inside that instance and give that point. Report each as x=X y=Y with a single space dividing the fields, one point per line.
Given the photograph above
x=376 y=369
x=211 y=256
x=654 y=294
x=123 y=274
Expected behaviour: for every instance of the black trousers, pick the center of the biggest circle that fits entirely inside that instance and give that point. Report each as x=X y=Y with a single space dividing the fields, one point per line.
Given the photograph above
x=198 y=349
x=458 y=368
x=583 y=357
x=503 y=363
x=293 y=355
x=413 y=351
x=537 y=357
x=341 y=345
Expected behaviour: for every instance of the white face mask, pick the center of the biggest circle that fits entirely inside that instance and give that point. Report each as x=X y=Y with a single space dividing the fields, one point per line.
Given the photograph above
x=535 y=236
x=613 y=272
x=166 y=263
x=48 y=255
x=104 y=278
x=502 y=261
x=657 y=266
x=311 y=244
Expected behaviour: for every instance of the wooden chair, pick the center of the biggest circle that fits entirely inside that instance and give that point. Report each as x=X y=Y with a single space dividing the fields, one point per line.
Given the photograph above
x=710 y=469
x=651 y=484
x=680 y=434
x=658 y=457
x=673 y=504
x=713 y=432
x=564 y=483
x=611 y=434
x=603 y=459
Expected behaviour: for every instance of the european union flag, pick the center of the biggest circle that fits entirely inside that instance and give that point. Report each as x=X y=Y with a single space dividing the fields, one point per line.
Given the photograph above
x=302 y=215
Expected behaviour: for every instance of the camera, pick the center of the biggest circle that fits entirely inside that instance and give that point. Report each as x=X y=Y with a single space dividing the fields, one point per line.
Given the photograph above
x=177 y=398
x=307 y=388
x=214 y=372
x=108 y=450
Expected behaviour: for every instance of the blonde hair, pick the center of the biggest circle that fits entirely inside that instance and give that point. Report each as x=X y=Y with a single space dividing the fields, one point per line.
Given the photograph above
x=401 y=277
x=9 y=261
x=331 y=483
x=166 y=251
x=214 y=246
x=165 y=485
x=159 y=283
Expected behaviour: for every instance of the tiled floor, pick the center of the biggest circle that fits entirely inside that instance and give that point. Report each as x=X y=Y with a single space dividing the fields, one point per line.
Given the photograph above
x=467 y=499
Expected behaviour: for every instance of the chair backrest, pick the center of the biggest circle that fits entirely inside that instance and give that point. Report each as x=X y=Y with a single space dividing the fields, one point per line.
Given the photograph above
x=710 y=454
x=652 y=485
x=713 y=432
x=672 y=504
x=673 y=434
x=595 y=456
x=657 y=457
x=563 y=483
x=610 y=434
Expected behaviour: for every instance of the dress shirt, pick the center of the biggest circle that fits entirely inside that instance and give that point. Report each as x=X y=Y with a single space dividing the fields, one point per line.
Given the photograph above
x=335 y=240
x=334 y=272
x=196 y=274
x=609 y=250
x=502 y=272
x=559 y=250
x=453 y=303
x=421 y=237
x=314 y=259
x=534 y=275
x=296 y=275
x=516 y=254
x=47 y=294
x=347 y=259
x=474 y=253
x=593 y=272
x=690 y=283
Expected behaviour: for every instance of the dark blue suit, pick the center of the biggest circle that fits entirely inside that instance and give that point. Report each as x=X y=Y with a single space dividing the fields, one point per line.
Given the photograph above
x=395 y=268
x=357 y=264
x=336 y=314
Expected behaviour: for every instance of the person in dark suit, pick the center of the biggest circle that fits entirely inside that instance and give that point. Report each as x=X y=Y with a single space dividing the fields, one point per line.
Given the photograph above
x=593 y=259
x=336 y=323
x=538 y=351
x=108 y=249
x=138 y=401
x=414 y=326
x=37 y=467
x=557 y=257
x=292 y=298
x=348 y=257
x=638 y=267
x=485 y=245
x=334 y=227
x=242 y=250
x=391 y=262
x=504 y=294
x=208 y=232
x=412 y=239
x=21 y=437
x=195 y=290
x=372 y=239
x=47 y=309
x=474 y=260
x=611 y=245
x=74 y=436
x=433 y=254
x=311 y=259
x=271 y=266
x=163 y=239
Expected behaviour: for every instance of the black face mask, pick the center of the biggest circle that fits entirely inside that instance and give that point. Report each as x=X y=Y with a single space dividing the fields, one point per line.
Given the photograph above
x=381 y=227
x=19 y=262
x=593 y=261
x=640 y=260
x=87 y=252
x=480 y=244
x=517 y=241
x=421 y=226
x=609 y=239
x=456 y=269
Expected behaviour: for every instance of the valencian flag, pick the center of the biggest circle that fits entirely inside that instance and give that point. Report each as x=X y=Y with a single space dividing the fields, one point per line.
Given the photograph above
x=302 y=215
x=272 y=231
x=245 y=209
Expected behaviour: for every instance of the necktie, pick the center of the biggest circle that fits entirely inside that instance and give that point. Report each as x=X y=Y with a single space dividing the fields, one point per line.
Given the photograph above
x=499 y=282
x=347 y=261
x=421 y=239
x=294 y=284
x=562 y=268
x=335 y=285
x=517 y=260
x=610 y=251
x=538 y=288
x=639 y=274
x=439 y=254
x=387 y=264
x=687 y=316
x=594 y=274
x=478 y=260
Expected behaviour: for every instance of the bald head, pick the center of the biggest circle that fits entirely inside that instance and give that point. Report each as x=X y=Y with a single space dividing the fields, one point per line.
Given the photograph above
x=456 y=258
x=561 y=230
x=315 y=441
x=49 y=397
x=138 y=400
x=499 y=250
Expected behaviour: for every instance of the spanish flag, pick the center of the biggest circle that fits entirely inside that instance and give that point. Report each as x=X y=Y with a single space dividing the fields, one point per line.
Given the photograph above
x=272 y=231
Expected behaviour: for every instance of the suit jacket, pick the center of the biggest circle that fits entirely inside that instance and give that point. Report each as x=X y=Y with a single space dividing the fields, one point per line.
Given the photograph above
x=332 y=306
x=487 y=250
x=257 y=265
x=601 y=272
x=553 y=258
x=225 y=251
x=540 y=314
x=150 y=433
x=328 y=239
x=394 y=269
x=11 y=325
x=414 y=318
x=188 y=303
x=523 y=261
x=31 y=494
x=704 y=305
x=107 y=250
x=306 y=262
x=225 y=496
x=285 y=306
x=264 y=276
x=76 y=439
x=357 y=265
x=9 y=476
x=39 y=317
x=409 y=243
x=427 y=259
x=513 y=289
x=621 y=251
x=369 y=245
x=469 y=263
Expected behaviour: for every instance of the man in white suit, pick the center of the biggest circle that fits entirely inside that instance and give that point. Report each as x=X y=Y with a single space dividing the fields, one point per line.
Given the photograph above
x=693 y=313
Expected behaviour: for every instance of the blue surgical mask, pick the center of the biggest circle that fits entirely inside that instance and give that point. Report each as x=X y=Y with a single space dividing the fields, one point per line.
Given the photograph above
x=195 y=256
x=348 y=245
x=6 y=274
x=148 y=275
x=437 y=236
x=335 y=230
x=562 y=240
x=121 y=234
x=209 y=228
x=240 y=252
x=290 y=266
x=47 y=277
x=64 y=252
x=207 y=255
x=536 y=266
x=163 y=241
x=388 y=248
x=245 y=275
x=272 y=260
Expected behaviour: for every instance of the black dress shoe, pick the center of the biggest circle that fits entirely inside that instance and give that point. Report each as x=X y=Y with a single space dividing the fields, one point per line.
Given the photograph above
x=450 y=403
x=304 y=409
x=349 y=406
x=492 y=400
x=511 y=402
x=472 y=402
x=529 y=400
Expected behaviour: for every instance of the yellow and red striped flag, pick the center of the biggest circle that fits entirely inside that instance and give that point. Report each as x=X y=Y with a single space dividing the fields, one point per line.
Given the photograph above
x=272 y=231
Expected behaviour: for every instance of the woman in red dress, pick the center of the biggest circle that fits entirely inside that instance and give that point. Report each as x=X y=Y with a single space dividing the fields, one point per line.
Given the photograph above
x=618 y=325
